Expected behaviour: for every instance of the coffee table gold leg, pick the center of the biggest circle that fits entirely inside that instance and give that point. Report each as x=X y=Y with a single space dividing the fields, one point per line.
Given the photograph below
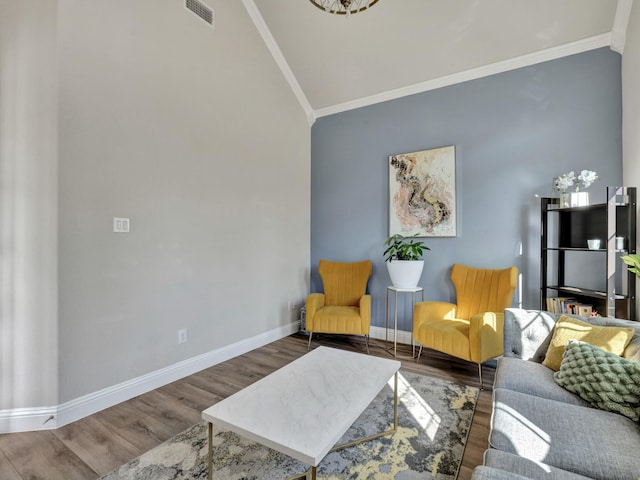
x=210 y=459
x=310 y=473
x=395 y=402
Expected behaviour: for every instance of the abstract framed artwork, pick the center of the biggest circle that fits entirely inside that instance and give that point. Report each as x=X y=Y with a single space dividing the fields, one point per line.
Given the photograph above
x=422 y=193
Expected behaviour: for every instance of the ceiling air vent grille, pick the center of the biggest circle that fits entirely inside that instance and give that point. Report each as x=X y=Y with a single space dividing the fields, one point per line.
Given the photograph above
x=200 y=9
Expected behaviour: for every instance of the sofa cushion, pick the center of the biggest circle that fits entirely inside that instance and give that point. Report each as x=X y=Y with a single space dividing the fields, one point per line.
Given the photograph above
x=604 y=379
x=527 y=468
x=527 y=333
x=582 y=440
x=532 y=378
x=632 y=352
x=488 y=473
x=611 y=339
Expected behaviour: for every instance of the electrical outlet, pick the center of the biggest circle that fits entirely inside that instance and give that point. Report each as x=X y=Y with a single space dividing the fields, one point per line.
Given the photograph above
x=182 y=335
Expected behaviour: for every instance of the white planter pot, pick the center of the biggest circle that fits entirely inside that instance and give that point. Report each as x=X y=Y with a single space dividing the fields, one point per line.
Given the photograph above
x=405 y=273
x=574 y=199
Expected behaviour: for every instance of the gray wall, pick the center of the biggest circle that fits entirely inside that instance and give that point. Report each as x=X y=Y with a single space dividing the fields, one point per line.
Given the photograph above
x=115 y=108
x=513 y=133
x=196 y=136
x=28 y=204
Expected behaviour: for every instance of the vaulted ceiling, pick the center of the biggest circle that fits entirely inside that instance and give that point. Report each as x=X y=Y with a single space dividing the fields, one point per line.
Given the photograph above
x=399 y=47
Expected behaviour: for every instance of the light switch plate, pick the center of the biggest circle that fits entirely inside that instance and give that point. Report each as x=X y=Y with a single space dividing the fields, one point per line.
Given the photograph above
x=120 y=225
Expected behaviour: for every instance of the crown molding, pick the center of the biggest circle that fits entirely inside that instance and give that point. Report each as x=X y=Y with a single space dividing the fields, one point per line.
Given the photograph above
x=591 y=43
x=620 y=22
x=615 y=39
x=271 y=44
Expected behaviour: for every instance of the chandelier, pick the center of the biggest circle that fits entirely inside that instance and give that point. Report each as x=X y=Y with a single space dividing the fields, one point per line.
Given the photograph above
x=343 y=7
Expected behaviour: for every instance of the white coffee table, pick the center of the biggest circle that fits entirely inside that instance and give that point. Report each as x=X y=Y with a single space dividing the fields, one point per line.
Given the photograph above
x=304 y=408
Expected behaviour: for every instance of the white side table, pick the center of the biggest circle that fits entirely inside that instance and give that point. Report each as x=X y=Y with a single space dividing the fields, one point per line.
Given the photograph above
x=395 y=291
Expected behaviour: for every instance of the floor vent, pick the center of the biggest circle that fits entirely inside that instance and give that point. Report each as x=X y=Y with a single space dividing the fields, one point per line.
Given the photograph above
x=201 y=10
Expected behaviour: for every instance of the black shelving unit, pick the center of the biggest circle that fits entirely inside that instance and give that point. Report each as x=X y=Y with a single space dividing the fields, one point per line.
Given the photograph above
x=568 y=268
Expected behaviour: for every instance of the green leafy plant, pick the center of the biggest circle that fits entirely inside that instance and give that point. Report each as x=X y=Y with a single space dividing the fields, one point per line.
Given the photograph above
x=633 y=261
x=400 y=247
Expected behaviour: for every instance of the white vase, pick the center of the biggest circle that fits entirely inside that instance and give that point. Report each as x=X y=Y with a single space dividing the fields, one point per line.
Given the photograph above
x=405 y=273
x=574 y=199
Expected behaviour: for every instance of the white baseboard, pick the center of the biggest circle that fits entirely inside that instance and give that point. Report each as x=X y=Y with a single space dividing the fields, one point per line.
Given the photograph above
x=380 y=333
x=47 y=418
x=27 y=419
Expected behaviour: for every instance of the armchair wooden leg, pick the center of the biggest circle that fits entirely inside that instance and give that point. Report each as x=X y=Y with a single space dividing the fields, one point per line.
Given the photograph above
x=309 y=346
x=480 y=375
x=366 y=341
x=419 y=353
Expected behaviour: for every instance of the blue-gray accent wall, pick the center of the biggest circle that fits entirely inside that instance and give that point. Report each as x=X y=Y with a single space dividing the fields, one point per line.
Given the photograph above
x=513 y=133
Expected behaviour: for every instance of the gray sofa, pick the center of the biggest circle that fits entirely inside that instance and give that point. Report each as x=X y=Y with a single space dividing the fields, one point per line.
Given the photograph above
x=539 y=430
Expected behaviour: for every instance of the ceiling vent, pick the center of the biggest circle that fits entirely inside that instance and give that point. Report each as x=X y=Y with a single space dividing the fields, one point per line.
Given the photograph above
x=201 y=10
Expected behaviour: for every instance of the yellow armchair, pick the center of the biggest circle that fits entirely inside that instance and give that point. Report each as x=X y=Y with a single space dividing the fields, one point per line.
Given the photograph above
x=473 y=328
x=344 y=307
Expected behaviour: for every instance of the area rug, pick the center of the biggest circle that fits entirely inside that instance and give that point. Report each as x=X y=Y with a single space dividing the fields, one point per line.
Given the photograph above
x=434 y=417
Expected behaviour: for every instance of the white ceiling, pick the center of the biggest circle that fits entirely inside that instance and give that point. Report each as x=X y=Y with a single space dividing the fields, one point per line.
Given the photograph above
x=400 y=47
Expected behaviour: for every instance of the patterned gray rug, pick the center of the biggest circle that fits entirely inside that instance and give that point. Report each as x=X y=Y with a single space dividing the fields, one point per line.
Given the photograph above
x=434 y=417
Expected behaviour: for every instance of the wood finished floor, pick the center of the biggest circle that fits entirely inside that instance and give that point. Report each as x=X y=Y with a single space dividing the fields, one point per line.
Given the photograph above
x=95 y=445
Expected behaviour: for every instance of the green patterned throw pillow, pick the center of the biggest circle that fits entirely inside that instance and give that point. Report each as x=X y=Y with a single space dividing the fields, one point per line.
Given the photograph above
x=605 y=380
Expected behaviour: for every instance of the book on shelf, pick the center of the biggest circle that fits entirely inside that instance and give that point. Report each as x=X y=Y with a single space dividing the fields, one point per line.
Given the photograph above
x=568 y=305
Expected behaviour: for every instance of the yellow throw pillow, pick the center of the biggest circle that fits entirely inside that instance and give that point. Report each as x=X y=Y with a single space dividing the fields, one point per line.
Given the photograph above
x=609 y=339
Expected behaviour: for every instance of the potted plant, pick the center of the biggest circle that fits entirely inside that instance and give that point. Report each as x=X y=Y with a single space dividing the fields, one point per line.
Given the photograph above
x=404 y=260
x=569 y=181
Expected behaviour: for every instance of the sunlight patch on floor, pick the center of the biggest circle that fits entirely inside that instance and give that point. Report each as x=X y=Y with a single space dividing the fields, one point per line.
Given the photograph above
x=420 y=410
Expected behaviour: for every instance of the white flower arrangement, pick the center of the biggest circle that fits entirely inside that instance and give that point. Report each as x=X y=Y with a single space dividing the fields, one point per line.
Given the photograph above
x=569 y=180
